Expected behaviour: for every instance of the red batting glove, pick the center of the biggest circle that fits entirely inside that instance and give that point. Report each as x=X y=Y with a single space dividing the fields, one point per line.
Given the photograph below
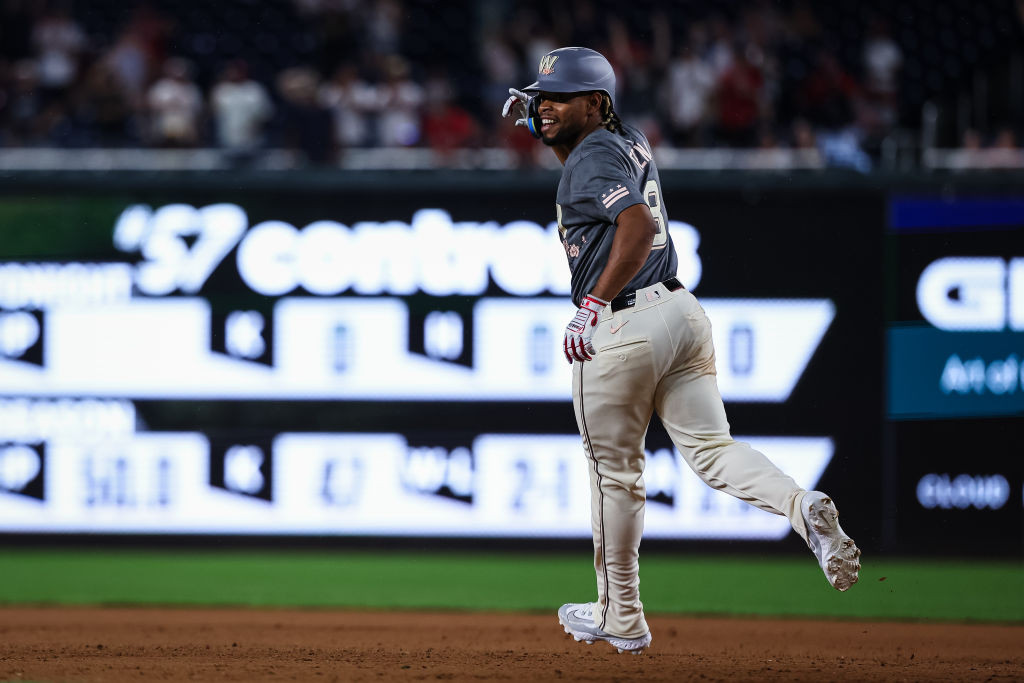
x=580 y=331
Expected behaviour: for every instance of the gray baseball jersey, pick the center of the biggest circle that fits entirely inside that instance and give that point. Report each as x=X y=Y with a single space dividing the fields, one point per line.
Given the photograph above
x=603 y=175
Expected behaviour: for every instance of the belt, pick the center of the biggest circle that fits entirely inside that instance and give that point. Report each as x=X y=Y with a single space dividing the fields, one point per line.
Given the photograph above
x=628 y=300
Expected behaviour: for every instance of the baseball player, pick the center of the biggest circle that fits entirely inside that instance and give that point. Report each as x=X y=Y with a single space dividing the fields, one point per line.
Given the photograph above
x=640 y=342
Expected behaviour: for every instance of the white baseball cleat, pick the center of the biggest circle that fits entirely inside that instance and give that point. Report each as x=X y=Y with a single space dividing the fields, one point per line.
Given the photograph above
x=578 y=620
x=837 y=554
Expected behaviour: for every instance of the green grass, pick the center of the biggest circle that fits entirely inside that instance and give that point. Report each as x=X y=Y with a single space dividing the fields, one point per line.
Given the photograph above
x=670 y=584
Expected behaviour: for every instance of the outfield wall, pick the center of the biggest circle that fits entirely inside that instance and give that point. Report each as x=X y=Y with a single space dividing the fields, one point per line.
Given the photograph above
x=377 y=355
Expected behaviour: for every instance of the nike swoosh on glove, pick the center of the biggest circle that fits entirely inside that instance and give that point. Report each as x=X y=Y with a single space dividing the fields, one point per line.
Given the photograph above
x=580 y=330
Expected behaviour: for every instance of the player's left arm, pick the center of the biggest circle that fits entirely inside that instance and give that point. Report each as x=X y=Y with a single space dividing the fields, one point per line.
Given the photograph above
x=634 y=236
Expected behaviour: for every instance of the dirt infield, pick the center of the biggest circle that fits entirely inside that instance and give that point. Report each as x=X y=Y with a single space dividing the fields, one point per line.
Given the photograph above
x=135 y=644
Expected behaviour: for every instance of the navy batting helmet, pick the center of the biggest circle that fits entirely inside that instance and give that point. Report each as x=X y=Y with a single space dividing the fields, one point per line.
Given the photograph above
x=574 y=69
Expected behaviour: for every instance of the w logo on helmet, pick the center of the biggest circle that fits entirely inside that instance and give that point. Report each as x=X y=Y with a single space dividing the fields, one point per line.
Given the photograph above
x=547 y=64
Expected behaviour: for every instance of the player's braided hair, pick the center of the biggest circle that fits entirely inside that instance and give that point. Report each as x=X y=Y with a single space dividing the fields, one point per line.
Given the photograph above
x=609 y=119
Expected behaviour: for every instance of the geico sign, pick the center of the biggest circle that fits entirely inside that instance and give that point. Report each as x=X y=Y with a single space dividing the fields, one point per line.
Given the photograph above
x=182 y=245
x=980 y=293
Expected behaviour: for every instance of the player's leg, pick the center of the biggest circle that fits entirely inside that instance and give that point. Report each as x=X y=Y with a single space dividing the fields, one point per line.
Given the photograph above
x=697 y=425
x=691 y=408
x=613 y=400
x=689 y=405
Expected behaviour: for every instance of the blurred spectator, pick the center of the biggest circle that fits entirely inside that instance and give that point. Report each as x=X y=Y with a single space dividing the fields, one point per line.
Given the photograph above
x=971 y=140
x=763 y=24
x=827 y=96
x=738 y=100
x=240 y=108
x=533 y=36
x=841 y=149
x=58 y=41
x=140 y=49
x=175 y=106
x=446 y=125
x=501 y=72
x=305 y=122
x=384 y=26
x=802 y=135
x=883 y=60
x=1005 y=139
x=721 y=50
x=1003 y=152
x=24 y=106
x=523 y=145
x=691 y=82
x=401 y=102
x=353 y=103
x=130 y=65
x=152 y=28
x=104 y=109
x=641 y=65
x=766 y=138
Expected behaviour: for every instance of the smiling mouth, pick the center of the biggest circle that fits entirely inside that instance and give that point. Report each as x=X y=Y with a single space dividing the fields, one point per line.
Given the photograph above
x=545 y=124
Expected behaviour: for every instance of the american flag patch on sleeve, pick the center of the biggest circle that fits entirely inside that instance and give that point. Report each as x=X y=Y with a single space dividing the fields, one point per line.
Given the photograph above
x=613 y=195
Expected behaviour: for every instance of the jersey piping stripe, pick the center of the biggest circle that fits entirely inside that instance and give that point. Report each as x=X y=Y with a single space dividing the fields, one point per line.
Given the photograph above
x=614 y=197
x=600 y=499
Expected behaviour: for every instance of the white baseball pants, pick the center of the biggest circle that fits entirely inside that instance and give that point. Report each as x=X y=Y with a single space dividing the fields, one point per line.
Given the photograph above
x=657 y=355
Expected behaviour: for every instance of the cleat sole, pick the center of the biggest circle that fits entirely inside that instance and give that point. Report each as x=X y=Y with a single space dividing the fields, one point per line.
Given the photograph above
x=840 y=555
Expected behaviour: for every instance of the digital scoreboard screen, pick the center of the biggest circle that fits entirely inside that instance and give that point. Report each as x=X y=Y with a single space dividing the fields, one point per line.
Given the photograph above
x=955 y=371
x=271 y=365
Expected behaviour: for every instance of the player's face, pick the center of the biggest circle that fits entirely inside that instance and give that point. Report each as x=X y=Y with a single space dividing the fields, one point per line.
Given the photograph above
x=564 y=117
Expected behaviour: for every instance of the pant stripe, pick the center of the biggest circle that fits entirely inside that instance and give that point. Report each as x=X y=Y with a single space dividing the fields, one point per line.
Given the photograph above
x=600 y=493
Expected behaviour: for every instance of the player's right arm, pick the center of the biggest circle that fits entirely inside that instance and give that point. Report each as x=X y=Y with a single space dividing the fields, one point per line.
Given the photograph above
x=606 y=187
x=634 y=236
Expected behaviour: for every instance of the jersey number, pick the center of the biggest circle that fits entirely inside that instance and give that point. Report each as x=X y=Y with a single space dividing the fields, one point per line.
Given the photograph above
x=653 y=196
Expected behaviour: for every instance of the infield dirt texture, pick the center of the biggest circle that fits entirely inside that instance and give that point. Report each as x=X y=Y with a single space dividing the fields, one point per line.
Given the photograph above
x=177 y=644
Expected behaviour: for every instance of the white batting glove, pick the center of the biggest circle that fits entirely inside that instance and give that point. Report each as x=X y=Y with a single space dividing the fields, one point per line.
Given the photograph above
x=517 y=105
x=580 y=331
